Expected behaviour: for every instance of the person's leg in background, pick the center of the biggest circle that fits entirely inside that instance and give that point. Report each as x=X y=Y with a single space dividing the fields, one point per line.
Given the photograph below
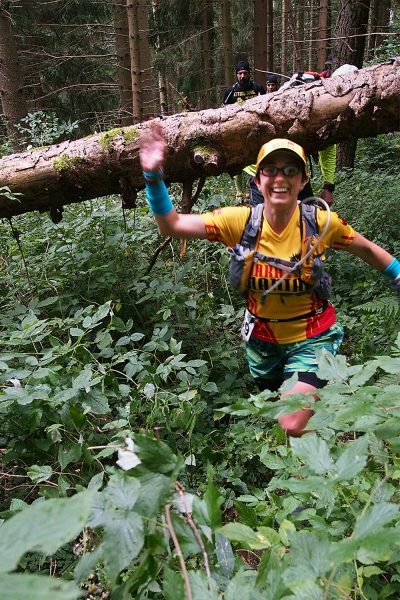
x=242 y=191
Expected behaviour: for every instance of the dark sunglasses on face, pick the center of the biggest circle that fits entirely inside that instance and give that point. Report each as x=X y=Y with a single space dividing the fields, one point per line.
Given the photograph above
x=287 y=170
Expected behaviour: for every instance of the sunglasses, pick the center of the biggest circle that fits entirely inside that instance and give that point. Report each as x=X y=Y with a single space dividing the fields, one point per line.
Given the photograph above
x=288 y=170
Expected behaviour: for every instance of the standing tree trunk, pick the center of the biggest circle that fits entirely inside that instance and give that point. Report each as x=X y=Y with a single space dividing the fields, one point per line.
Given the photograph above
x=11 y=83
x=300 y=32
x=133 y=25
x=146 y=72
x=293 y=31
x=162 y=82
x=270 y=38
x=260 y=40
x=352 y=21
x=283 y=35
x=322 y=34
x=227 y=41
x=123 y=62
x=313 y=35
x=378 y=22
x=206 y=53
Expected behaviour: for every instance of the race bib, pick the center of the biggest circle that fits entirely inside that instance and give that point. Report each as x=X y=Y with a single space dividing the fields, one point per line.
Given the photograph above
x=248 y=325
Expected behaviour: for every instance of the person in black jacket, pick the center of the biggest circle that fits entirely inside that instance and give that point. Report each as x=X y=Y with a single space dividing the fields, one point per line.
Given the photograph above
x=244 y=88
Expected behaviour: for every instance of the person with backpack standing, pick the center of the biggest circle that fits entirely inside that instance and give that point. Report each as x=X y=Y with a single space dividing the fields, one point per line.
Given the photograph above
x=288 y=317
x=243 y=89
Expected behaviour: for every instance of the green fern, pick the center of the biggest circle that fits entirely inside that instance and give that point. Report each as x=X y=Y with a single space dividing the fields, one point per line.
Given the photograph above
x=387 y=306
x=387 y=379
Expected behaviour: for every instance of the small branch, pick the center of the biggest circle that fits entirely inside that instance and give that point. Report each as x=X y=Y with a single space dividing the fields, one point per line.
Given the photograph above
x=196 y=532
x=157 y=252
x=16 y=235
x=186 y=105
x=187 y=187
x=178 y=551
x=195 y=197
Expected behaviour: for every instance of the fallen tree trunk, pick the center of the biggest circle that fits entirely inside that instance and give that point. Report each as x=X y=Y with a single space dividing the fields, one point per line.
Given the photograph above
x=209 y=142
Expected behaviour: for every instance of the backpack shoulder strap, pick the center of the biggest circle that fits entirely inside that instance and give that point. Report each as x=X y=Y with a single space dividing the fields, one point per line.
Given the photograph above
x=309 y=217
x=252 y=227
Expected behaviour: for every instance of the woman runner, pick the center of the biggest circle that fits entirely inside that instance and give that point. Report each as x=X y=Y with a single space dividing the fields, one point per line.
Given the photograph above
x=288 y=326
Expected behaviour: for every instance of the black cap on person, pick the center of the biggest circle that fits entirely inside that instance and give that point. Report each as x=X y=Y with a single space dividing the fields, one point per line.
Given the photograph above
x=242 y=65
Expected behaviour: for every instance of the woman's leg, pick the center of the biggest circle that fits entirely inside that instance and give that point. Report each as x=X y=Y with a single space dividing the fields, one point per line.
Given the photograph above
x=294 y=423
x=302 y=359
x=266 y=364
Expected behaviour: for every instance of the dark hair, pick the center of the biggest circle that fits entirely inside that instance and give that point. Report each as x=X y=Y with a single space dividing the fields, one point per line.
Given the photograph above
x=272 y=79
x=242 y=65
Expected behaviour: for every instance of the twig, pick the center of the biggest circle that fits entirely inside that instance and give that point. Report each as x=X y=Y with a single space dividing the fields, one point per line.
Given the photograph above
x=179 y=488
x=185 y=103
x=16 y=234
x=157 y=252
x=178 y=551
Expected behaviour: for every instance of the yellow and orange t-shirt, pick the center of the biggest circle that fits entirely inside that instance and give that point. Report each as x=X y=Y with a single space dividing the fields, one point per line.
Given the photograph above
x=292 y=298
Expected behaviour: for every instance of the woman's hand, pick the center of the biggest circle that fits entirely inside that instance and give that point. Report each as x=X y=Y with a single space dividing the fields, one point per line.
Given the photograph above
x=153 y=148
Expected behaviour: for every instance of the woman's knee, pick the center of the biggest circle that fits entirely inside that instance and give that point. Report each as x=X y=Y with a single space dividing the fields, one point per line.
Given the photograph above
x=294 y=423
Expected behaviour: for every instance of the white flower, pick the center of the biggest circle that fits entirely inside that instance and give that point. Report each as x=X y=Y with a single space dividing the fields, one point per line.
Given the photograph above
x=15 y=382
x=127 y=459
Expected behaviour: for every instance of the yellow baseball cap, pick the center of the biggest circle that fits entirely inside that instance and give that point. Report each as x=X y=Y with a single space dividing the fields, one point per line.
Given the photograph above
x=281 y=144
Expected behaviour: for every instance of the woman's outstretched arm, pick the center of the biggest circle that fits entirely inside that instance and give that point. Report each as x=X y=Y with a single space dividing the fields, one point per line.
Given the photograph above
x=152 y=153
x=377 y=257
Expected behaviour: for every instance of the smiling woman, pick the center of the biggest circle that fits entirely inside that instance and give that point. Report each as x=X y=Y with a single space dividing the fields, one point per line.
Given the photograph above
x=288 y=320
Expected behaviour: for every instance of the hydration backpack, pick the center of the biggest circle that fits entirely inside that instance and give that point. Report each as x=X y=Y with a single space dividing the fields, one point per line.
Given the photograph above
x=310 y=270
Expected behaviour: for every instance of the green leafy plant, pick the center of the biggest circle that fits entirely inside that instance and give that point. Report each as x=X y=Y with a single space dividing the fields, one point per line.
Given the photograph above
x=138 y=458
x=42 y=128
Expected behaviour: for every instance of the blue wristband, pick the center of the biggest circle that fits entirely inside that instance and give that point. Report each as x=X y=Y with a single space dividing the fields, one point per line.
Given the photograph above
x=393 y=269
x=157 y=194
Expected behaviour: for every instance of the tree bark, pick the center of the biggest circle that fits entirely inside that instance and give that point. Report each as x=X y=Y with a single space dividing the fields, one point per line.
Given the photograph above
x=271 y=36
x=300 y=33
x=260 y=40
x=322 y=34
x=123 y=61
x=134 y=45
x=291 y=20
x=313 y=34
x=352 y=21
x=378 y=21
x=207 y=98
x=146 y=72
x=284 y=21
x=210 y=142
x=11 y=82
x=227 y=42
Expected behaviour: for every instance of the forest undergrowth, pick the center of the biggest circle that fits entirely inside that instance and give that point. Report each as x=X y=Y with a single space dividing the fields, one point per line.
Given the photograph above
x=107 y=354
